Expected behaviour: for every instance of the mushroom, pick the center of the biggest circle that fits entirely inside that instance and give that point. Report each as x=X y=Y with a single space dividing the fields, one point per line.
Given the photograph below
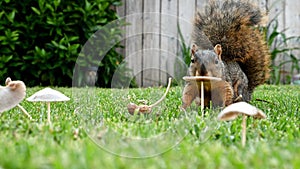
x=48 y=95
x=201 y=79
x=133 y=108
x=234 y=110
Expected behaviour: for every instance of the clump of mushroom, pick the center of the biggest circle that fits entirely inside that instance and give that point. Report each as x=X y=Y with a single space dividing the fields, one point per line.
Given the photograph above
x=133 y=108
x=48 y=95
x=241 y=108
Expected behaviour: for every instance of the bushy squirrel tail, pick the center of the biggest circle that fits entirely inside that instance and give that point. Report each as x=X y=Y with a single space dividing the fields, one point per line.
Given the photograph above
x=234 y=25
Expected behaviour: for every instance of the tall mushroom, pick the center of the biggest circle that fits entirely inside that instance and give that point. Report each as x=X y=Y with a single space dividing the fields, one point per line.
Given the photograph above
x=48 y=95
x=234 y=110
x=201 y=79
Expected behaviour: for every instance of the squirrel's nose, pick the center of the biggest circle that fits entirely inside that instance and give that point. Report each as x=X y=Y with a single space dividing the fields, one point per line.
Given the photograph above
x=203 y=71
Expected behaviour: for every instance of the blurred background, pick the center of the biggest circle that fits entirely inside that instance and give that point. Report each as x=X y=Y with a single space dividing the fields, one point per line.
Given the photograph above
x=149 y=40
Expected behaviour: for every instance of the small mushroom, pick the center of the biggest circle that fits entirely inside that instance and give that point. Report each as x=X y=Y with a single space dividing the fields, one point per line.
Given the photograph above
x=234 y=110
x=48 y=95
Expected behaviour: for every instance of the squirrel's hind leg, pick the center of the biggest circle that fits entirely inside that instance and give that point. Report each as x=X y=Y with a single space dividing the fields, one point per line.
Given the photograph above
x=241 y=92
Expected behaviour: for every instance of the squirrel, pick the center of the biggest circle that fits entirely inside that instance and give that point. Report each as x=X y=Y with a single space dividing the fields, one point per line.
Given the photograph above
x=11 y=94
x=227 y=44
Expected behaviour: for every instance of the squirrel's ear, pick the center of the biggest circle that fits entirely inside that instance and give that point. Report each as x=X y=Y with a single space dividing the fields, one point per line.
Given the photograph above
x=194 y=49
x=13 y=86
x=7 y=81
x=218 y=50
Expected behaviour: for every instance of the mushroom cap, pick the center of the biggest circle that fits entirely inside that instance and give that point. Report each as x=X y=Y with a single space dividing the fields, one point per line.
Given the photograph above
x=48 y=95
x=235 y=109
x=201 y=78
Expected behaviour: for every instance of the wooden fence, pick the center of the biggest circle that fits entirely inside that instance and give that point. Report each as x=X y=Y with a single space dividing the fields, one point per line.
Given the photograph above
x=153 y=44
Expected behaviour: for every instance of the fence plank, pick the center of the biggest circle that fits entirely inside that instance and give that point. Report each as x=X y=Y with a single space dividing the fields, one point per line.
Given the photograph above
x=186 y=12
x=121 y=11
x=200 y=4
x=292 y=21
x=169 y=39
x=292 y=18
x=151 y=44
x=134 y=37
x=277 y=11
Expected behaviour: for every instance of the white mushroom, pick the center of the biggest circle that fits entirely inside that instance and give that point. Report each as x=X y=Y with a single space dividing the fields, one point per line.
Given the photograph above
x=232 y=111
x=201 y=79
x=48 y=95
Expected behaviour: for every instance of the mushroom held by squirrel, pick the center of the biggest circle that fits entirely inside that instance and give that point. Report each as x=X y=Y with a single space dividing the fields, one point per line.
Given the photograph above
x=12 y=94
x=227 y=44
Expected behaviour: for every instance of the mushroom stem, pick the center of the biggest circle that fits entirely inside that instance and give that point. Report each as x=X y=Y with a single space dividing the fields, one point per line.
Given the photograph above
x=132 y=108
x=164 y=96
x=24 y=111
x=48 y=112
x=244 y=130
x=202 y=98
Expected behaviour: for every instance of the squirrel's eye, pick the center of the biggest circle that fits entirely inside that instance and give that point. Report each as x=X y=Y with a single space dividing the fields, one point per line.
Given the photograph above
x=216 y=61
x=192 y=60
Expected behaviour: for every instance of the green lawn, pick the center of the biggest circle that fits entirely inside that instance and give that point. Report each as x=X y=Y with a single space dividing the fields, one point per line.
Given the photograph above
x=94 y=130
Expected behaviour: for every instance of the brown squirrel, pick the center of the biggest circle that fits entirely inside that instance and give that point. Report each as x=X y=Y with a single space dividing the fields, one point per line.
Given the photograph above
x=228 y=45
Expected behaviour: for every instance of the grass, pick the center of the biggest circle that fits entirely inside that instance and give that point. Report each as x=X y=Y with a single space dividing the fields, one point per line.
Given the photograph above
x=95 y=131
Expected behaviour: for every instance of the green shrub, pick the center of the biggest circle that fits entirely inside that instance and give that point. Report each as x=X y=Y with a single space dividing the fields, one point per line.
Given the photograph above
x=40 y=39
x=280 y=46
